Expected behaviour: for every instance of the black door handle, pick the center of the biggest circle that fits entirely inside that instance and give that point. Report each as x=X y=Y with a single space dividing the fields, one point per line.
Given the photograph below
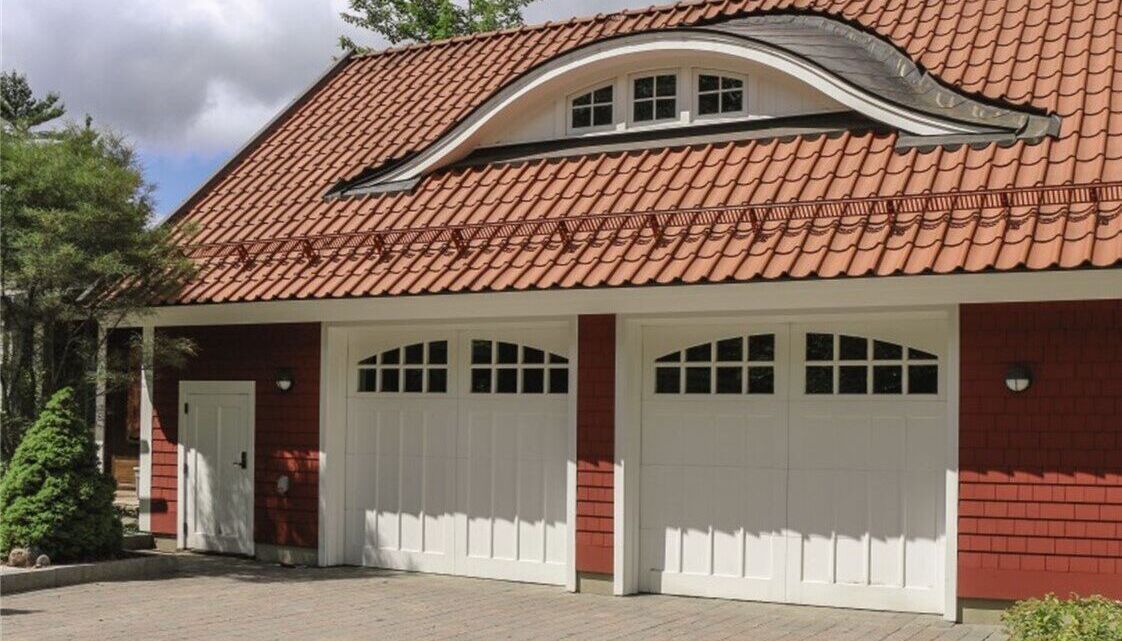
x=242 y=462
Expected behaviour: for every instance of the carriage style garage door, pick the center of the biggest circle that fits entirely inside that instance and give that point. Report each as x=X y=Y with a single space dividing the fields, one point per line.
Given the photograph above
x=795 y=463
x=456 y=451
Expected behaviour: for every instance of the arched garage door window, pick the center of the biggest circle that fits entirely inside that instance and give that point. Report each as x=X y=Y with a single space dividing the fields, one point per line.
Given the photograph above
x=736 y=365
x=843 y=364
x=413 y=369
x=499 y=367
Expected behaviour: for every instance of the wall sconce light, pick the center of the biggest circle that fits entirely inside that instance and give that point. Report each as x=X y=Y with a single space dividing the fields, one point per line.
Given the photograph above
x=282 y=485
x=1018 y=377
x=285 y=380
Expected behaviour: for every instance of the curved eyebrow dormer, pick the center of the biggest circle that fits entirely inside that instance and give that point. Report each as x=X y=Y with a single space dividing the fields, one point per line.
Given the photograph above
x=858 y=71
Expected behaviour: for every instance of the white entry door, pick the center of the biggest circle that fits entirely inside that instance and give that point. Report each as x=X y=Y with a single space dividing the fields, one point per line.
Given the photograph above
x=457 y=450
x=216 y=432
x=801 y=463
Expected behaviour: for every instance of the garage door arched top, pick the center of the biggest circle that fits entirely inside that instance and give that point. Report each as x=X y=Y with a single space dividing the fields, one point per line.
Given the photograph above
x=501 y=367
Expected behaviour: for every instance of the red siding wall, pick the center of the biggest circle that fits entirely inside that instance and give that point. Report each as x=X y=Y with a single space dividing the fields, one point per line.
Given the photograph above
x=287 y=431
x=595 y=442
x=1040 y=503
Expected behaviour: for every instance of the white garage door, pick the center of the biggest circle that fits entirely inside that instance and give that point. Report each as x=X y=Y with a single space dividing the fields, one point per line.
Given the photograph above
x=795 y=463
x=456 y=452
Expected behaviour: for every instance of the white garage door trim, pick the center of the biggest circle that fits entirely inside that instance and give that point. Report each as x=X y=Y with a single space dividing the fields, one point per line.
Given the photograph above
x=629 y=443
x=463 y=409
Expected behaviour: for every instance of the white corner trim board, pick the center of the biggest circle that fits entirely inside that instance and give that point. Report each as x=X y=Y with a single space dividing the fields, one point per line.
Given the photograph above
x=456 y=143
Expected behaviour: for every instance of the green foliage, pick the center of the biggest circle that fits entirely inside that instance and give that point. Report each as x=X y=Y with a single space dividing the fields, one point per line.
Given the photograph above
x=53 y=497
x=19 y=107
x=427 y=20
x=77 y=252
x=1077 y=619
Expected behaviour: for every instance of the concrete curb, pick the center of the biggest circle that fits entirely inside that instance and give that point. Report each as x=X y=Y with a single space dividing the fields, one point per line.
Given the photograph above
x=140 y=566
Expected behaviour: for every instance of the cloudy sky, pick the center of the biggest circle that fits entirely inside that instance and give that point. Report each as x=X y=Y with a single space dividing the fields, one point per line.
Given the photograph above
x=189 y=81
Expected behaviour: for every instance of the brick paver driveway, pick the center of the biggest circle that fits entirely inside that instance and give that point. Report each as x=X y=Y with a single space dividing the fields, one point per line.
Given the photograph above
x=222 y=598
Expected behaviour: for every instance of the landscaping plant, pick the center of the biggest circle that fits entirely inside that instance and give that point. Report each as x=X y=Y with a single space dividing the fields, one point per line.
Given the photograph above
x=1092 y=618
x=53 y=497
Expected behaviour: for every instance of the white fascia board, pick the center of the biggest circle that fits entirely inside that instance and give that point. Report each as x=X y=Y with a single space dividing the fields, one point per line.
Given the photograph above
x=768 y=296
x=456 y=143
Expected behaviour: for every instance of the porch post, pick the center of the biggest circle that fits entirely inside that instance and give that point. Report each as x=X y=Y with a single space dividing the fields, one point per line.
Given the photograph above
x=147 y=388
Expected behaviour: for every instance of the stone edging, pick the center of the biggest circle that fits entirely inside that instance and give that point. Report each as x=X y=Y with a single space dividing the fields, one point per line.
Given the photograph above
x=142 y=565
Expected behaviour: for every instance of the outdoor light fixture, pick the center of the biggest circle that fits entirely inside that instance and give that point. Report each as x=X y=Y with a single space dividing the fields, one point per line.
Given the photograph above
x=285 y=379
x=1018 y=377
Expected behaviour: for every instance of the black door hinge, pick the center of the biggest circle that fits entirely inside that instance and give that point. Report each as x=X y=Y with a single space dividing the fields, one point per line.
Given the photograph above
x=186 y=408
x=184 y=468
x=185 y=528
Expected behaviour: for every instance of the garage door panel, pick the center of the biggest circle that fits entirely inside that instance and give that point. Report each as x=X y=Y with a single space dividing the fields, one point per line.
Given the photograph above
x=827 y=491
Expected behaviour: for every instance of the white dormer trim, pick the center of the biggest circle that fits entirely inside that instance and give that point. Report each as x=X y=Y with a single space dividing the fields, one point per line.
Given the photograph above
x=461 y=139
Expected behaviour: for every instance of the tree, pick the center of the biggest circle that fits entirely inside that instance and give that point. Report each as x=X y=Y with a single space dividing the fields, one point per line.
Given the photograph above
x=20 y=109
x=77 y=253
x=53 y=497
x=427 y=20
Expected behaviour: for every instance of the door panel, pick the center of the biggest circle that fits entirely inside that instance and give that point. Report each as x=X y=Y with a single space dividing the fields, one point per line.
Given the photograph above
x=218 y=457
x=460 y=481
x=830 y=498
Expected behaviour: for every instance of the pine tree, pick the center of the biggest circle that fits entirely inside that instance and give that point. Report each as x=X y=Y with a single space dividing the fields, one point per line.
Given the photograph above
x=53 y=497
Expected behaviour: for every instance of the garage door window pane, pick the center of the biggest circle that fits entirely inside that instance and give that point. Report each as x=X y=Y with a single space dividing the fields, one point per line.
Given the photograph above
x=390 y=380
x=481 y=381
x=853 y=379
x=819 y=347
x=667 y=380
x=698 y=380
x=480 y=352
x=853 y=348
x=558 y=381
x=533 y=381
x=730 y=380
x=883 y=351
x=507 y=353
x=730 y=349
x=414 y=380
x=506 y=381
x=819 y=380
x=888 y=379
x=700 y=353
x=392 y=357
x=438 y=380
x=923 y=379
x=761 y=380
x=761 y=347
x=368 y=380
x=438 y=353
x=532 y=355
x=670 y=358
x=415 y=354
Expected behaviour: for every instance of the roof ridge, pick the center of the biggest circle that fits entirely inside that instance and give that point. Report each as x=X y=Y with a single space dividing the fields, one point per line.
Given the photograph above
x=525 y=28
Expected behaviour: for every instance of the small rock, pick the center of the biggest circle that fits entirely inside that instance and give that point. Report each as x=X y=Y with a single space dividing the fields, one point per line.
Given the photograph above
x=43 y=561
x=19 y=558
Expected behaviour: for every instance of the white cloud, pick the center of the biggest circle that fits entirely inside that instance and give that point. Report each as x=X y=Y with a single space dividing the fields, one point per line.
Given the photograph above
x=189 y=76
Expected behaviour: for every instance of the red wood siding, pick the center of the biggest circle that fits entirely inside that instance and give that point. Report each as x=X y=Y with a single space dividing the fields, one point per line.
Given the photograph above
x=1040 y=491
x=596 y=369
x=287 y=430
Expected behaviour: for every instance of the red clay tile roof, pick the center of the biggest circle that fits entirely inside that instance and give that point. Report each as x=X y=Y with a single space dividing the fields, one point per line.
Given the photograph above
x=809 y=206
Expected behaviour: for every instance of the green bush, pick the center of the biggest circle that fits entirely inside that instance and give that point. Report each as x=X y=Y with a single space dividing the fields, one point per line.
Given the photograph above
x=52 y=496
x=1093 y=618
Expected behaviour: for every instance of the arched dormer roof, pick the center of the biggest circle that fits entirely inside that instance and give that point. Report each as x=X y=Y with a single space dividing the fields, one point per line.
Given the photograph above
x=860 y=71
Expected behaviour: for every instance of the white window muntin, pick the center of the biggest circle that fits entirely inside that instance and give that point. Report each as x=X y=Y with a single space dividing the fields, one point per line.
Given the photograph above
x=695 y=112
x=677 y=96
x=611 y=84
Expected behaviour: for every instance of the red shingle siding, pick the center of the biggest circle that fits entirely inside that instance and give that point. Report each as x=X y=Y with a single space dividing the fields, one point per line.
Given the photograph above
x=1040 y=487
x=596 y=371
x=287 y=430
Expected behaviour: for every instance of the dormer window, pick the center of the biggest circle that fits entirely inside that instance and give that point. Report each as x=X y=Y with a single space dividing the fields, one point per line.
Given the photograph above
x=654 y=98
x=592 y=109
x=719 y=95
